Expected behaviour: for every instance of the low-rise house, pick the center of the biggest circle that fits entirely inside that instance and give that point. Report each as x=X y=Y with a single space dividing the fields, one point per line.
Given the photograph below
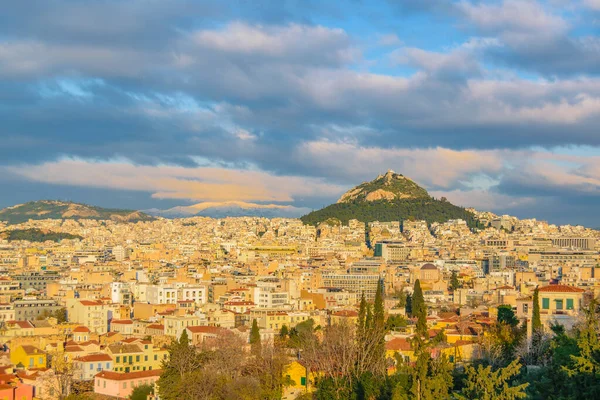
x=124 y=326
x=120 y=385
x=27 y=356
x=86 y=367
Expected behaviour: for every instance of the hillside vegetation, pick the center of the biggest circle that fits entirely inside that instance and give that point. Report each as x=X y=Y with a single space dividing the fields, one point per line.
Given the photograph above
x=51 y=209
x=430 y=210
x=36 y=235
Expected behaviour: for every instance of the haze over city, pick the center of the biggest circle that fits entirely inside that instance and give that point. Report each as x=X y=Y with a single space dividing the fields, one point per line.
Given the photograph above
x=492 y=104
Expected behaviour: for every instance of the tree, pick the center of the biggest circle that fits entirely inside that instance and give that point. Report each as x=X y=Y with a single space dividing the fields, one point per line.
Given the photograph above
x=506 y=315
x=536 y=321
x=484 y=384
x=584 y=369
x=429 y=378
x=284 y=332
x=255 y=341
x=400 y=296
x=419 y=309
x=454 y=282
x=60 y=315
x=141 y=392
x=61 y=373
x=408 y=308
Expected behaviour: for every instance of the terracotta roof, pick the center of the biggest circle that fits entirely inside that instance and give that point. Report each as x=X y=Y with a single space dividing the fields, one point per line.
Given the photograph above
x=122 y=322
x=156 y=326
x=239 y=303
x=94 y=358
x=21 y=324
x=203 y=329
x=346 y=313
x=88 y=303
x=31 y=349
x=560 y=289
x=117 y=348
x=428 y=266
x=398 y=344
x=81 y=329
x=125 y=376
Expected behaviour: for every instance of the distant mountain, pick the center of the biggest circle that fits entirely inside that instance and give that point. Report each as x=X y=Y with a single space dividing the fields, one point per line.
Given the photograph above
x=52 y=209
x=389 y=197
x=230 y=209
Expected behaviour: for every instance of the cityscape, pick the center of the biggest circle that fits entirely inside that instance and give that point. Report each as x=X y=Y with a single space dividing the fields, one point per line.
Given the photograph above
x=299 y=200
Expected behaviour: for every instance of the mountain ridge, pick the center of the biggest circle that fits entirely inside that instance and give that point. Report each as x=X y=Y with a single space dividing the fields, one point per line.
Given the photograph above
x=56 y=209
x=230 y=209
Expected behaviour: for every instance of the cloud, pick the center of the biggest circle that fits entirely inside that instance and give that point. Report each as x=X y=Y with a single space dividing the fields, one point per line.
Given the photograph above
x=512 y=17
x=171 y=182
x=433 y=168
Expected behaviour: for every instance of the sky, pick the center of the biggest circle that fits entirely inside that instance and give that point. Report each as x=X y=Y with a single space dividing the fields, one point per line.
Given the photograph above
x=159 y=103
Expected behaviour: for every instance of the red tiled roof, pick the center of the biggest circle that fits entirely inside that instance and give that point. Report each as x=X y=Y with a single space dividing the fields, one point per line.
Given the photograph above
x=94 y=357
x=398 y=344
x=560 y=289
x=88 y=303
x=122 y=322
x=81 y=329
x=204 y=329
x=125 y=376
x=156 y=326
x=31 y=349
x=346 y=313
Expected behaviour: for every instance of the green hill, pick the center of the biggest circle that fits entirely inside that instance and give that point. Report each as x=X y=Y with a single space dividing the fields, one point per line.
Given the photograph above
x=52 y=209
x=36 y=235
x=390 y=197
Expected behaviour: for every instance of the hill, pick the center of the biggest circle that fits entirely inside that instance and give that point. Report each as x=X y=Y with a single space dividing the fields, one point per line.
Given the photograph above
x=52 y=209
x=390 y=197
x=36 y=235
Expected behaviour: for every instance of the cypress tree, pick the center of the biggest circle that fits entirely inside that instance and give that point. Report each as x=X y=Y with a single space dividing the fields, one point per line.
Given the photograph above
x=419 y=309
x=255 y=339
x=454 y=282
x=378 y=308
x=369 y=318
x=408 y=307
x=362 y=315
x=536 y=321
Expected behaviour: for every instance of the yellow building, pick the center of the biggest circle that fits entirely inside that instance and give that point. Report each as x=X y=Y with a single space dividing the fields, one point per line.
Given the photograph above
x=136 y=355
x=28 y=356
x=560 y=303
x=300 y=379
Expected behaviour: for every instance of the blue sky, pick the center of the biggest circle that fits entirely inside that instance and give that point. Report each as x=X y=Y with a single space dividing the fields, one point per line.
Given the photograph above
x=148 y=103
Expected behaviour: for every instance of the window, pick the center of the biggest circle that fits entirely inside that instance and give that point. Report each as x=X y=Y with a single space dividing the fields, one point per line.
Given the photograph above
x=559 y=304
x=124 y=385
x=546 y=303
x=118 y=359
x=155 y=357
x=569 y=304
x=41 y=360
x=303 y=381
x=137 y=358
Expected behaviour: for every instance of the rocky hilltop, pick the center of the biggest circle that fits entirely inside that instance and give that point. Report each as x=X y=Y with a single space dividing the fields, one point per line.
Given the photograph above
x=53 y=209
x=391 y=186
x=389 y=197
